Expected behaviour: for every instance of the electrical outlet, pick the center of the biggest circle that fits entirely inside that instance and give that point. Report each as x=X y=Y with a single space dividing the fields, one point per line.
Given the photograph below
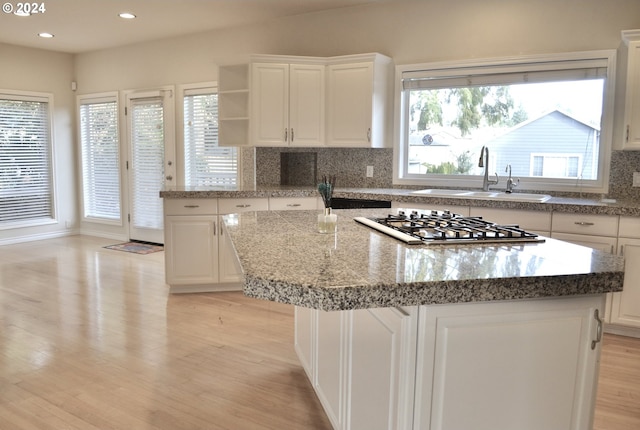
x=369 y=171
x=636 y=179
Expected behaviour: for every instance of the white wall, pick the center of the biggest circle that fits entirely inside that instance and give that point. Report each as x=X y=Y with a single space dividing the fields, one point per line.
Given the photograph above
x=409 y=31
x=47 y=72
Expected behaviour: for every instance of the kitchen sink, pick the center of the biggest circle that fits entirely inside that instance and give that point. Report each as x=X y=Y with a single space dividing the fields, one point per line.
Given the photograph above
x=489 y=195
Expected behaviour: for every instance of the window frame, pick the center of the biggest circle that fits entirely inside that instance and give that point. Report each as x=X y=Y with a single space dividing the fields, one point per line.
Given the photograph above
x=519 y=64
x=49 y=100
x=93 y=99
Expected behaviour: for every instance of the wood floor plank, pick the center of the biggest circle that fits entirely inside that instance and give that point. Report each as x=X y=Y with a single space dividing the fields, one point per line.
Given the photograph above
x=90 y=338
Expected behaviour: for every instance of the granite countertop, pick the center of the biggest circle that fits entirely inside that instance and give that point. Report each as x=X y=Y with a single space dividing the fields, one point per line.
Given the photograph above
x=584 y=205
x=284 y=259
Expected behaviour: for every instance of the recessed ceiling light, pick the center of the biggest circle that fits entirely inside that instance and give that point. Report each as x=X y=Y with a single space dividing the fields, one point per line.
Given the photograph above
x=126 y=15
x=45 y=35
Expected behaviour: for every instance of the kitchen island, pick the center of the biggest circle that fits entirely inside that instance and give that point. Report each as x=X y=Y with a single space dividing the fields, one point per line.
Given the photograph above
x=394 y=336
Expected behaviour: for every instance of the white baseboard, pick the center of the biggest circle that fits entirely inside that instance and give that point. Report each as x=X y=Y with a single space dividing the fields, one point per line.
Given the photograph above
x=39 y=236
x=622 y=330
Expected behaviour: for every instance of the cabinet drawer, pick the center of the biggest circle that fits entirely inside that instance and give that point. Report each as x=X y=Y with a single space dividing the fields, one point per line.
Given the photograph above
x=190 y=207
x=527 y=220
x=598 y=225
x=296 y=203
x=232 y=206
x=629 y=227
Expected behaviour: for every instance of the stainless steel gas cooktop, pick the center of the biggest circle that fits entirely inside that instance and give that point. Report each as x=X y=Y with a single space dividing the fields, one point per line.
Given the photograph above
x=444 y=227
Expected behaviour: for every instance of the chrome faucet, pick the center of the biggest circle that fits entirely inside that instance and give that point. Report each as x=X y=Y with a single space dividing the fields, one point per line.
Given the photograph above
x=511 y=184
x=484 y=162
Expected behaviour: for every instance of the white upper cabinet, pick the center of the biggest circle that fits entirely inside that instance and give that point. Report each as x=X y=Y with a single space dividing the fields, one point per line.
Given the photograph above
x=631 y=131
x=344 y=101
x=287 y=104
x=359 y=101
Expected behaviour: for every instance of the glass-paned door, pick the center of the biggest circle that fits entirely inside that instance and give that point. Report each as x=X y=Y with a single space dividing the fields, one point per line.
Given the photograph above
x=150 y=165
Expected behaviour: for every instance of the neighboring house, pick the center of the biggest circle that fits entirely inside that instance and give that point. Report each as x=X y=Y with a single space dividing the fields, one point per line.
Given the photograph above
x=570 y=150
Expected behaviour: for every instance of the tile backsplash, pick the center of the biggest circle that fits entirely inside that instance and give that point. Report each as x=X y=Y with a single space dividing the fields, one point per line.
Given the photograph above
x=623 y=164
x=349 y=165
x=294 y=166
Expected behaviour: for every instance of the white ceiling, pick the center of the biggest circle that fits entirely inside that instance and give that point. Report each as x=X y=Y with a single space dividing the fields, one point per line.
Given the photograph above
x=88 y=25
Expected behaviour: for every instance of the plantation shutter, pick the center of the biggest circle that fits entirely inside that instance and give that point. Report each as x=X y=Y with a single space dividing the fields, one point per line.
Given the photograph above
x=100 y=158
x=26 y=184
x=147 y=143
x=206 y=164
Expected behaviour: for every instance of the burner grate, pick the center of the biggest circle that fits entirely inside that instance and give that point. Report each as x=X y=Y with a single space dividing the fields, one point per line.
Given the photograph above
x=443 y=227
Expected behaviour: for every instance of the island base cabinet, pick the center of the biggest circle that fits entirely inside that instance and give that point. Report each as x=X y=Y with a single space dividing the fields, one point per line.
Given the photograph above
x=380 y=382
x=361 y=364
x=330 y=364
x=525 y=365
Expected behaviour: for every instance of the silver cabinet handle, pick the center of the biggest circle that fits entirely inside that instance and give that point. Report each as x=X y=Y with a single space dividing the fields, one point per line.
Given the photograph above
x=584 y=223
x=598 y=330
x=168 y=177
x=214 y=228
x=293 y=205
x=191 y=206
x=286 y=134
x=243 y=206
x=292 y=135
x=369 y=134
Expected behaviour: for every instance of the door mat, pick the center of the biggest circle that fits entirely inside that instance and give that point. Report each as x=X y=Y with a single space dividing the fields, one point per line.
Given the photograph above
x=137 y=247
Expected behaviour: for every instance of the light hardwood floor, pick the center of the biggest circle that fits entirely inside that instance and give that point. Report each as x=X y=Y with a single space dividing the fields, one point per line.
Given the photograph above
x=91 y=339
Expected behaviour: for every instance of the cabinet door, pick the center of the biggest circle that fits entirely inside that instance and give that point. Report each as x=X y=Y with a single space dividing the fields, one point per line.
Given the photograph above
x=330 y=364
x=382 y=369
x=632 y=105
x=306 y=105
x=269 y=104
x=230 y=269
x=305 y=338
x=601 y=243
x=350 y=104
x=191 y=250
x=525 y=365
x=626 y=304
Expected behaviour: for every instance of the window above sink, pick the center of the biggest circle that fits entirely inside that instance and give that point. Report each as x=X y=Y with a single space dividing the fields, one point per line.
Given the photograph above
x=549 y=117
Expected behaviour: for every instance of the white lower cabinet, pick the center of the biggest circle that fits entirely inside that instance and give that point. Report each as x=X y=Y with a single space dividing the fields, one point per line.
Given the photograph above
x=199 y=256
x=191 y=249
x=381 y=375
x=361 y=364
x=525 y=365
x=330 y=364
x=625 y=309
x=528 y=364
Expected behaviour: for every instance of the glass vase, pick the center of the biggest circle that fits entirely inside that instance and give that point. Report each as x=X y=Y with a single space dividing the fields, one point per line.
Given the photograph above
x=327 y=221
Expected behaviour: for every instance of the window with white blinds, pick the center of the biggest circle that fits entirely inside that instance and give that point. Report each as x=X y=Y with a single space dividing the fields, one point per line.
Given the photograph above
x=26 y=180
x=206 y=164
x=100 y=157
